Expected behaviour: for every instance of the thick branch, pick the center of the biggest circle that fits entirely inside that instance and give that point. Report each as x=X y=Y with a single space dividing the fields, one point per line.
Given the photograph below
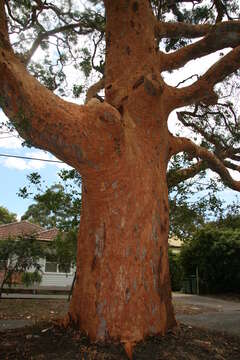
x=180 y=144
x=49 y=122
x=174 y=177
x=178 y=30
x=223 y=35
x=202 y=89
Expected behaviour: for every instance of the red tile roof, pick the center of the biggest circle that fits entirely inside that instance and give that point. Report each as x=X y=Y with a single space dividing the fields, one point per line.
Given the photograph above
x=27 y=228
x=47 y=235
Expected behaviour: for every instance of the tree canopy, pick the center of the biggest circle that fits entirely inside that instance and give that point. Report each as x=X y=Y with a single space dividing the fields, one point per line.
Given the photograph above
x=58 y=205
x=6 y=216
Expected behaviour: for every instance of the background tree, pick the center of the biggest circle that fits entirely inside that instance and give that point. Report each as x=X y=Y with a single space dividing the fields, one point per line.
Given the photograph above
x=6 y=216
x=215 y=251
x=56 y=206
x=119 y=142
x=17 y=257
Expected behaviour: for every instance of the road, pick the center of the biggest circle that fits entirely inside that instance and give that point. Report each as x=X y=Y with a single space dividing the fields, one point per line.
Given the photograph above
x=225 y=315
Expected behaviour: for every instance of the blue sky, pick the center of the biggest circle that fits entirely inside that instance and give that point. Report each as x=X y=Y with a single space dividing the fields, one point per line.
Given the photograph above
x=13 y=171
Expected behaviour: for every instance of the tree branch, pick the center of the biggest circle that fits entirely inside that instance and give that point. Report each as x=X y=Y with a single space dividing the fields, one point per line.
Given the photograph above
x=45 y=35
x=49 y=122
x=179 y=144
x=202 y=89
x=222 y=35
x=177 y=30
x=94 y=89
x=174 y=177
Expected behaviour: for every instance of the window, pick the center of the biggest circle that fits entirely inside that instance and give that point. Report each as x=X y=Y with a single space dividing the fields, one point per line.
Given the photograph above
x=51 y=265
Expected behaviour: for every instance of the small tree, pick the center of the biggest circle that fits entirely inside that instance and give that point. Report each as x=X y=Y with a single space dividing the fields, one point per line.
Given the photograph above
x=6 y=216
x=17 y=257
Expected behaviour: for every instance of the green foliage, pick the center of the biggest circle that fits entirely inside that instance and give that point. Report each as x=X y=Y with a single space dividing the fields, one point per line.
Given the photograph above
x=216 y=252
x=65 y=248
x=6 y=216
x=30 y=278
x=56 y=206
x=18 y=256
x=176 y=271
x=77 y=90
x=85 y=63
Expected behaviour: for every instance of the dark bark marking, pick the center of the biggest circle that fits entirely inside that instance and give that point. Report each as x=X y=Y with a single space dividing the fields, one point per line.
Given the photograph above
x=94 y=262
x=127 y=295
x=163 y=228
x=150 y=88
x=135 y=6
x=132 y=24
x=121 y=110
x=128 y=50
x=139 y=82
x=109 y=87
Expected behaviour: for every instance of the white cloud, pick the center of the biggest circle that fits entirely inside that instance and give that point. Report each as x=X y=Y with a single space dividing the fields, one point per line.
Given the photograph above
x=31 y=164
x=10 y=142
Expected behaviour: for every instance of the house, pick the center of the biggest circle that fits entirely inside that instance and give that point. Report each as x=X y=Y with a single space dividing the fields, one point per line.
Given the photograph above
x=175 y=244
x=53 y=276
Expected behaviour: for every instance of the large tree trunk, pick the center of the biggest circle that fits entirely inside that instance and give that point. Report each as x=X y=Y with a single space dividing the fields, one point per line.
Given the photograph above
x=121 y=148
x=122 y=288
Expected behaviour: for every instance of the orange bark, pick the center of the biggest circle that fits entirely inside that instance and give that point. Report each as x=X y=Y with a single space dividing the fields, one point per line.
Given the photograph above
x=122 y=288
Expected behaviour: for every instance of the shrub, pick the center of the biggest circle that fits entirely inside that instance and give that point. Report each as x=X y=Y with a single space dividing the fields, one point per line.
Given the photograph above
x=176 y=272
x=216 y=253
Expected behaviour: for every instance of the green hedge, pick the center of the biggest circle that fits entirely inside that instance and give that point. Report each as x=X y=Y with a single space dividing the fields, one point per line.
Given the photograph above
x=216 y=253
x=176 y=271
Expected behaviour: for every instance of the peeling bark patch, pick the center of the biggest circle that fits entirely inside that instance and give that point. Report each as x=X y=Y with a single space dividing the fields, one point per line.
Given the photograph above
x=134 y=284
x=155 y=234
x=144 y=252
x=102 y=329
x=100 y=241
x=135 y=6
x=115 y=184
x=139 y=82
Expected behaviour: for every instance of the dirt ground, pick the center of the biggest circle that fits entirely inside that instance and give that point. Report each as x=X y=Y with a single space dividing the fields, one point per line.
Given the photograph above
x=45 y=340
x=32 y=309
x=41 y=309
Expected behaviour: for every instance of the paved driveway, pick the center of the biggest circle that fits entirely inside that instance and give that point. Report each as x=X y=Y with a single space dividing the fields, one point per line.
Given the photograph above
x=225 y=315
